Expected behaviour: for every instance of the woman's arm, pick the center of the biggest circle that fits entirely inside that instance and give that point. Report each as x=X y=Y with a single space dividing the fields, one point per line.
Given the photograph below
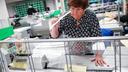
x=96 y=32
x=55 y=30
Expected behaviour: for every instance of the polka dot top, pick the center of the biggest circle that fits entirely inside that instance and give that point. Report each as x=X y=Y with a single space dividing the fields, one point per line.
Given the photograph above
x=88 y=26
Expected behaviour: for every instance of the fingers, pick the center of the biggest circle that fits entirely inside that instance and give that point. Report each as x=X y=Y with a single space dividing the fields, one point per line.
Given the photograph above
x=104 y=62
x=96 y=63
x=93 y=60
x=53 y=24
x=54 y=21
x=99 y=62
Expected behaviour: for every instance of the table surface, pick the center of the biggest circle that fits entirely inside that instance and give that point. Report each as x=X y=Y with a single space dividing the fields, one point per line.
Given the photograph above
x=22 y=29
x=112 y=26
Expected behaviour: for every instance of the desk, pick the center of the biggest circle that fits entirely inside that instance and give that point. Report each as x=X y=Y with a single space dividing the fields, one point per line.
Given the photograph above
x=22 y=32
x=117 y=29
x=106 y=22
x=21 y=29
x=56 y=57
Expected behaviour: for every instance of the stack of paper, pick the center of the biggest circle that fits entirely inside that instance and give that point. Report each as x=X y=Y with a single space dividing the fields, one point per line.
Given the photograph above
x=75 y=68
x=19 y=65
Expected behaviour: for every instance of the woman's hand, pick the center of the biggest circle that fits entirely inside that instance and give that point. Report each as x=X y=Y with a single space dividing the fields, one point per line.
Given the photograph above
x=54 y=27
x=52 y=22
x=99 y=61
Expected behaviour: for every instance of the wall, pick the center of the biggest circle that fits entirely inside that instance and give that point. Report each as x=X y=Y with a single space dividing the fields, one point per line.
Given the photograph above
x=11 y=9
x=3 y=14
x=51 y=4
x=3 y=10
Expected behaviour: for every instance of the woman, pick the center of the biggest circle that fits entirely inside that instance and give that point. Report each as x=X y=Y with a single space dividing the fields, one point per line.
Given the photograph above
x=81 y=22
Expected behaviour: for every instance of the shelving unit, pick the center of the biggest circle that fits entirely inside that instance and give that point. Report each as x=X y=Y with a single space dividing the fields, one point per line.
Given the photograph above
x=112 y=52
x=17 y=61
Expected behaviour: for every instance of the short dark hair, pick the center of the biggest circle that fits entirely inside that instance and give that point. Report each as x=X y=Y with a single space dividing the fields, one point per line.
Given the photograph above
x=78 y=3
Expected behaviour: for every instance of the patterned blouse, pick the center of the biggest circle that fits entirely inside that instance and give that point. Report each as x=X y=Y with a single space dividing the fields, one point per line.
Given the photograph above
x=88 y=27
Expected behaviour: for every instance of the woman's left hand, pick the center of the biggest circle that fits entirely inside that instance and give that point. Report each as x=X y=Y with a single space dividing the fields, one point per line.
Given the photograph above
x=99 y=61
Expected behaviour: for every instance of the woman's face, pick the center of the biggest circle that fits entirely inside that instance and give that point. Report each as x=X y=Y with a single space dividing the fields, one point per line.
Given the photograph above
x=127 y=8
x=76 y=12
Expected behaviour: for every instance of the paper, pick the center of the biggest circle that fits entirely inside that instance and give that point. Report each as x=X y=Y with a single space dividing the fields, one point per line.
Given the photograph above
x=75 y=68
x=125 y=42
x=19 y=65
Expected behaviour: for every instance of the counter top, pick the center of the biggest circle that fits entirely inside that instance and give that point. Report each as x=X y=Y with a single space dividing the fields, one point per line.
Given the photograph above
x=21 y=29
